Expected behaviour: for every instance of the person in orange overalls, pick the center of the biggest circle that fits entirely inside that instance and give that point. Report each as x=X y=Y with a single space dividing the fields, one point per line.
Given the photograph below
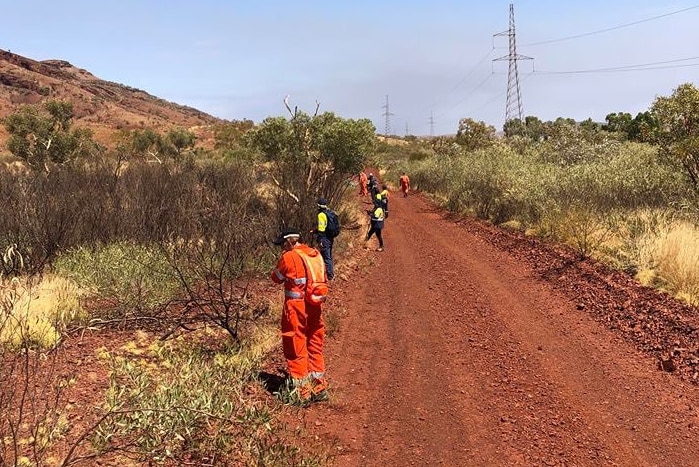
x=404 y=184
x=302 y=325
x=363 y=181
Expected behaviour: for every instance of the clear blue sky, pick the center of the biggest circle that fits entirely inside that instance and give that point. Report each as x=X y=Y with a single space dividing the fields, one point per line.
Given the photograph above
x=238 y=59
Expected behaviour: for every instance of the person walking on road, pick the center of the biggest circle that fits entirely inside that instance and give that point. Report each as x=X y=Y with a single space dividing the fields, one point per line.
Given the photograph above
x=302 y=272
x=383 y=198
x=372 y=186
x=404 y=184
x=327 y=229
x=377 y=220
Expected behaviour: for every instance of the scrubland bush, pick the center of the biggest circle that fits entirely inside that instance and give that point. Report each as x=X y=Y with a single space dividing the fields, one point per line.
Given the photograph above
x=632 y=178
x=127 y=280
x=496 y=183
x=585 y=189
x=199 y=412
x=171 y=241
x=500 y=184
x=83 y=206
x=569 y=144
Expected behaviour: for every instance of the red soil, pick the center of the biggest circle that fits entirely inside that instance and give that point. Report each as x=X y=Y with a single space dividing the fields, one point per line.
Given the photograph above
x=462 y=344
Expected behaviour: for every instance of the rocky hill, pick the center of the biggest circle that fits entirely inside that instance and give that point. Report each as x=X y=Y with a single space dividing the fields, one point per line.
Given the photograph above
x=103 y=106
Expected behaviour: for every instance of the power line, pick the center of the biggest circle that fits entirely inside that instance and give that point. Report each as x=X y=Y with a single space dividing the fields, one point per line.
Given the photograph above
x=499 y=96
x=637 y=67
x=600 y=31
x=473 y=91
x=462 y=80
x=625 y=68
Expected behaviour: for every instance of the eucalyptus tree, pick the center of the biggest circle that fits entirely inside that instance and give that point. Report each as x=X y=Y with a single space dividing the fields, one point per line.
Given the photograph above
x=677 y=130
x=42 y=136
x=308 y=156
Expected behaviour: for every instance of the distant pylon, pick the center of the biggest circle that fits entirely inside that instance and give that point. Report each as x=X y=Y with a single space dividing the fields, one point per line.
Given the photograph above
x=513 y=107
x=387 y=113
x=431 y=124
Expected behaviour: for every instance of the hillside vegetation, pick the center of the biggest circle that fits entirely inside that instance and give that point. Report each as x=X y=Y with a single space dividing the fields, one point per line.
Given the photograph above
x=102 y=106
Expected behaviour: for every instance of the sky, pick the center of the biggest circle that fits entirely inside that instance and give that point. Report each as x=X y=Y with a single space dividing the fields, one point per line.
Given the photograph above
x=416 y=67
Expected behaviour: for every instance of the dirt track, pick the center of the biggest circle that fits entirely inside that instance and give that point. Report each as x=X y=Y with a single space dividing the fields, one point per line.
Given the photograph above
x=453 y=351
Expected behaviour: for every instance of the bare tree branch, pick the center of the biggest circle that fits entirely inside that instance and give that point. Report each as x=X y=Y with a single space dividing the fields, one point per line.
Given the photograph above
x=285 y=190
x=154 y=155
x=286 y=104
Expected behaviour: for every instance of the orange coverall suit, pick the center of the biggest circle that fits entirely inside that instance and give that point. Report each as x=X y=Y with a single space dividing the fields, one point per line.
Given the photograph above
x=363 y=184
x=303 y=328
x=405 y=184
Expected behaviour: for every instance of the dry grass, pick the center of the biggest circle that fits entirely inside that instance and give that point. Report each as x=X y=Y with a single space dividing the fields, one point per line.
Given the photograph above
x=669 y=257
x=35 y=313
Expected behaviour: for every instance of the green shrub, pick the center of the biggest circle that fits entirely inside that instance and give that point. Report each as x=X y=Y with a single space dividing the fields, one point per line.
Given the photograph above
x=128 y=280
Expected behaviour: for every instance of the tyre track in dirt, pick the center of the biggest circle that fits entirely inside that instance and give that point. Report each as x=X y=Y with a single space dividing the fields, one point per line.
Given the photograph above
x=451 y=352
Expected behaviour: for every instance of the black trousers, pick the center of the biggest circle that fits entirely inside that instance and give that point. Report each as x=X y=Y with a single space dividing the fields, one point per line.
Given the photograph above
x=376 y=231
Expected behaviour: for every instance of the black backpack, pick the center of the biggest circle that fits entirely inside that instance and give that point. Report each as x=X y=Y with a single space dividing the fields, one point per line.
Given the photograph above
x=332 y=230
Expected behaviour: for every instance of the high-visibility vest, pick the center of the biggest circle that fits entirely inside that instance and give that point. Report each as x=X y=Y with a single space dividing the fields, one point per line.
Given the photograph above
x=316 y=280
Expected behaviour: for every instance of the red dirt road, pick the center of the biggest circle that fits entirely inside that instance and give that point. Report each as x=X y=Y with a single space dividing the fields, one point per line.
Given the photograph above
x=456 y=347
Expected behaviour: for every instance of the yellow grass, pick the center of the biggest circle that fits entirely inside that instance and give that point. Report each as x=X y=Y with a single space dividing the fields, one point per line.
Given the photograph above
x=35 y=313
x=673 y=254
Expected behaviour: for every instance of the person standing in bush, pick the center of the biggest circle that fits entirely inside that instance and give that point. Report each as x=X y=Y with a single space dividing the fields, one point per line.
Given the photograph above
x=377 y=219
x=363 y=181
x=302 y=272
x=328 y=228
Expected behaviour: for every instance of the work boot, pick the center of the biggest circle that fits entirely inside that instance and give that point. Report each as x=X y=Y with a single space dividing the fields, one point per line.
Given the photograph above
x=305 y=395
x=319 y=390
x=379 y=248
x=296 y=391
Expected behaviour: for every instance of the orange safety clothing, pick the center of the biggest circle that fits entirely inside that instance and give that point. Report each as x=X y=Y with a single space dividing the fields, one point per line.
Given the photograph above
x=363 y=182
x=316 y=278
x=302 y=325
x=404 y=184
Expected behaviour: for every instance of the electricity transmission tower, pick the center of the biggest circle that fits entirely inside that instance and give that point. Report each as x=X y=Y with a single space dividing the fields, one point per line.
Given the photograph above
x=513 y=107
x=431 y=125
x=387 y=114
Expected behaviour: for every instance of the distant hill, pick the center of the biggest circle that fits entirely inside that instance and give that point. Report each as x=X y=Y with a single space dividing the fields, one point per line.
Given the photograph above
x=103 y=106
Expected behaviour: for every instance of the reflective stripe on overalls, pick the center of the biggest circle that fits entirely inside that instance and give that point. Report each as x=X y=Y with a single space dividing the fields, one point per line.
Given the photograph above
x=299 y=281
